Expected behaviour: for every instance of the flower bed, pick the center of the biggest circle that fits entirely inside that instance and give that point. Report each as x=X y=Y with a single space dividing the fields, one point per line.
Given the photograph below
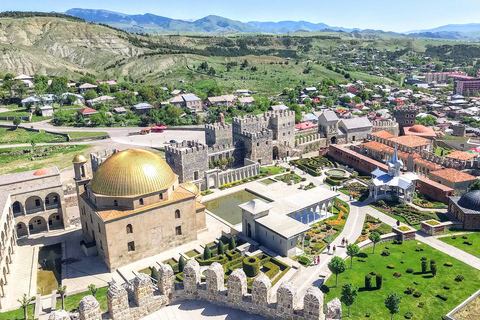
x=286 y=178
x=239 y=182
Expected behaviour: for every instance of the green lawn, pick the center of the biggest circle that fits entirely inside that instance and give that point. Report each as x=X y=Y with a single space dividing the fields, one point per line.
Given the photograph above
x=433 y=309
x=17 y=314
x=459 y=242
x=15 y=136
x=272 y=170
x=86 y=134
x=71 y=302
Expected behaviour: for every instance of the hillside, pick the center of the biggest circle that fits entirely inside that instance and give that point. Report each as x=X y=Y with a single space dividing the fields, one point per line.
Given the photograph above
x=55 y=45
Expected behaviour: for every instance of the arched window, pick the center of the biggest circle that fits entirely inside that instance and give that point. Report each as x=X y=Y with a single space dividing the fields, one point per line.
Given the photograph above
x=160 y=196
x=115 y=203
x=141 y=201
x=177 y=214
x=129 y=228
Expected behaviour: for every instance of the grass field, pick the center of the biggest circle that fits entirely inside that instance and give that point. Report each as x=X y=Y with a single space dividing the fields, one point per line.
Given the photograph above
x=16 y=160
x=71 y=302
x=17 y=314
x=373 y=301
x=85 y=134
x=458 y=241
x=19 y=135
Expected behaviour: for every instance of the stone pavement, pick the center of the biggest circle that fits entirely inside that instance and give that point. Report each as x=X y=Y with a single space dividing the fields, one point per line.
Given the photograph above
x=194 y=310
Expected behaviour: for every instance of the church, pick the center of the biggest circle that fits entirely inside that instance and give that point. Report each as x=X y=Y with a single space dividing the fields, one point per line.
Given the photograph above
x=133 y=207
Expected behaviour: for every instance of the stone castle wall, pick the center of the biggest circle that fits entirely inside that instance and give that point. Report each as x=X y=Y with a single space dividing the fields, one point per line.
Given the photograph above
x=188 y=159
x=390 y=126
x=218 y=134
x=148 y=298
x=97 y=159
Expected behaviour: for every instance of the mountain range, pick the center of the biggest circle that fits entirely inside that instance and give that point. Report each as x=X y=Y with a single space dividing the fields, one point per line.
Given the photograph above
x=151 y=23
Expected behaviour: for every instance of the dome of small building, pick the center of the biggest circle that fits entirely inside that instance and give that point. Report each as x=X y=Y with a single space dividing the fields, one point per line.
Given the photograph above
x=132 y=172
x=193 y=189
x=79 y=159
x=470 y=200
x=43 y=171
x=418 y=128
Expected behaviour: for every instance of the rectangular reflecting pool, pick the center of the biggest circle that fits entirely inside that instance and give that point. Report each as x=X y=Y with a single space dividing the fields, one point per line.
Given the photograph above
x=226 y=207
x=49 y=274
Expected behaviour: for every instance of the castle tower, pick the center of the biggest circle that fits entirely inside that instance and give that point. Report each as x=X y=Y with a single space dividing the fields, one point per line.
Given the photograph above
x=405 y=117
x=80 y=169
x=189 y=160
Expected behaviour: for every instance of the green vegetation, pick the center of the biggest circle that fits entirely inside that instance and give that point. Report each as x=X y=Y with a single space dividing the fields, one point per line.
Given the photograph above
x=86 y=134
x=272 y=170
x=17 y=314
x=402 y=257
x=469 y=243
x=19 y=135
x=371 y=226
x=313 y=165
x=72 y=301
x=286 y=178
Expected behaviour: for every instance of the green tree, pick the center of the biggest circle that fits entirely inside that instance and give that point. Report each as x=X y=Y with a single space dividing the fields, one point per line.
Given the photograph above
x=232 y=245
x=337 y=266
x=18 y=89
x=352 y=251
x=433 y=267
x=181 y=264
x=221 y=247
x=87 y=79
x=424 y=265
x=224 y=162
x=24 y=303
x=207 y=253
x=71 y=99
x=392 y=303
x=16 y=122
x=93 y=289
x=155 y=273
x=375 y=238
x=58 y=86
x=90 y=94
x=475 y=185
x=231 y=160
x=349 y=295
x=62 y=290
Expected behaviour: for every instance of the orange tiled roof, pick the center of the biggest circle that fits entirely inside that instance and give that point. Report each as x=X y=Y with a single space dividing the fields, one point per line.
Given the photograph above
x=435 y=184
x=383 y=134
x=178 y=195
x=453 y=175
x=374 y=145
x=411 y=141
x=461 y=155
x=430 y=165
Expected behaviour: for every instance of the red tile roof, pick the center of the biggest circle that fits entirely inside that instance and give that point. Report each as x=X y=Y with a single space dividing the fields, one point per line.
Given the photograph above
x=88 y=110
x=453 y=175
x=383 y=134
x=411 y=141
x=427 y=164
x=419 y=130
x=374 y=145
x=461 y=155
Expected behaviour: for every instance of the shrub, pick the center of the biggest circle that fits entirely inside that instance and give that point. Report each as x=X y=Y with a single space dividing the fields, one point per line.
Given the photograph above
x=464 y=237
x=391 y=266
x=454 y=237
x=421 y=304
x=368 y=281
x=424 y=266
x=306 y=243
x=373 y=273
x=367 y=315
x=221 y=247
x=468 y=243
x=207 y=253
x=181 y=264
x=233 y=254
x=409 y=270
x=459 y=278
x=307 y=237
x=417 y=294
x=379 y=281
x=397 y=275
x=408 y=315
x=232 y=245
x=251 y=266
x=385 y=253
x=324 y=289
x=433 y=268
x=448 y=264
x=410 y=290
x=446 y=288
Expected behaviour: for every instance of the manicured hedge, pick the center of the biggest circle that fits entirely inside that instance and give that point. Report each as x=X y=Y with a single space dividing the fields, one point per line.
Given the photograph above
x=251 y=266
x=233 y=254
x=220 y=259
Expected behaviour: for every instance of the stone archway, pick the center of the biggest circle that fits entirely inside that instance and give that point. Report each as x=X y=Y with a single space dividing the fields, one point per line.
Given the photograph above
x=275 y=153
x=37 y=225
x=249 y=230
x=333 y=140
x=55 y=221
x=22 y=230
x=17 y=209
x=52 y=200
x=34 y=204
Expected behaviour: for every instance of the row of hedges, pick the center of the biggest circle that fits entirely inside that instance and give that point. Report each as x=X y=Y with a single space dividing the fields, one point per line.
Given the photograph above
x=336 y=181
x=239 y=182
x=312 y=165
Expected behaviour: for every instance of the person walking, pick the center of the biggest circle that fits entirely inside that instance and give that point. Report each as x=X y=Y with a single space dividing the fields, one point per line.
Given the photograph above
x=346 y=242
x=334 y=249
x=318 y=260
x=328 y=248
x=343 y=242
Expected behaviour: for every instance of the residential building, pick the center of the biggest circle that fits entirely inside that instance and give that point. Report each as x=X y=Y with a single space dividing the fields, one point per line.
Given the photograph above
x=86 y=86
x=458 y=180
x=142 y=108
x=467 y=86
x=87 y=112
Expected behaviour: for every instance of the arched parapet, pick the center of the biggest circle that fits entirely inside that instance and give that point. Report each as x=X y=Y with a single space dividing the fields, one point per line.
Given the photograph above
x=237 y=286
x=286 y=298
x=142 y=289
x=89 y=309
x=313 y=304
x=261 y=288
x=117 y=301
x=214 y=279
x=166 y=280
x=191 y=276
x=333 y=309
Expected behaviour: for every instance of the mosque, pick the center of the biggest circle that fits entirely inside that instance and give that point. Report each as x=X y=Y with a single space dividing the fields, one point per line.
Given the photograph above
x=133 y=207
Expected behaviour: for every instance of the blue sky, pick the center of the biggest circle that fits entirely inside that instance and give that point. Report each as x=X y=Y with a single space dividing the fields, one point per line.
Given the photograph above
x=400 y=16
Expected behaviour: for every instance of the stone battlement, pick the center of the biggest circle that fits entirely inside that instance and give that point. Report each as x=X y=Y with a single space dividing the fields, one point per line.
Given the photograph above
x=221 y=148
x=186 y=147
x=98 y=158
x=218 y=126
x=262 y=117
x=148 y=298
x=266 y=133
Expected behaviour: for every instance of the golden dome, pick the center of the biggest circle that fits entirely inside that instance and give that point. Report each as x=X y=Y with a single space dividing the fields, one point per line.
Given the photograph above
x=132 y=172
x=193 y=189
x=79 y=159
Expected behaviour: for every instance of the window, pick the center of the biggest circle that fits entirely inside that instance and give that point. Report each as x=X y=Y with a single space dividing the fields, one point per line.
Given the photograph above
x=99 y=231
x=178 y=230
x=37 y=202
x=129 y=228
x=83 y=210
x=91 y=218
x=131 y=246
x=47 y=200
x=101 y=244
x=55 y=199
x=160 y=196
x=39 y=221
x=141 y=201
x=115 y=203
x=195 y=175
x=86 y=227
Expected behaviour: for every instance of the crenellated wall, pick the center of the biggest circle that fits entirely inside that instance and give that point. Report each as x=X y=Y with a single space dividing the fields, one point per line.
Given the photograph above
x=148 y=298
x=390 y=126
x=98 y=158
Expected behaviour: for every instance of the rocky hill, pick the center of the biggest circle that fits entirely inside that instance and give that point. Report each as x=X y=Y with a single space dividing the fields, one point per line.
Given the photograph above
x=55 y=45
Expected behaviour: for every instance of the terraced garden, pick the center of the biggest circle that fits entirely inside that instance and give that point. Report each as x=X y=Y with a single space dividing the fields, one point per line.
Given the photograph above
x=314 y=165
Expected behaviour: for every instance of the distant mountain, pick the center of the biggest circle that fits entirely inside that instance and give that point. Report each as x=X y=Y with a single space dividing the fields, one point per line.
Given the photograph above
x=470 y=31
x=288 y=26
x=152 y=23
